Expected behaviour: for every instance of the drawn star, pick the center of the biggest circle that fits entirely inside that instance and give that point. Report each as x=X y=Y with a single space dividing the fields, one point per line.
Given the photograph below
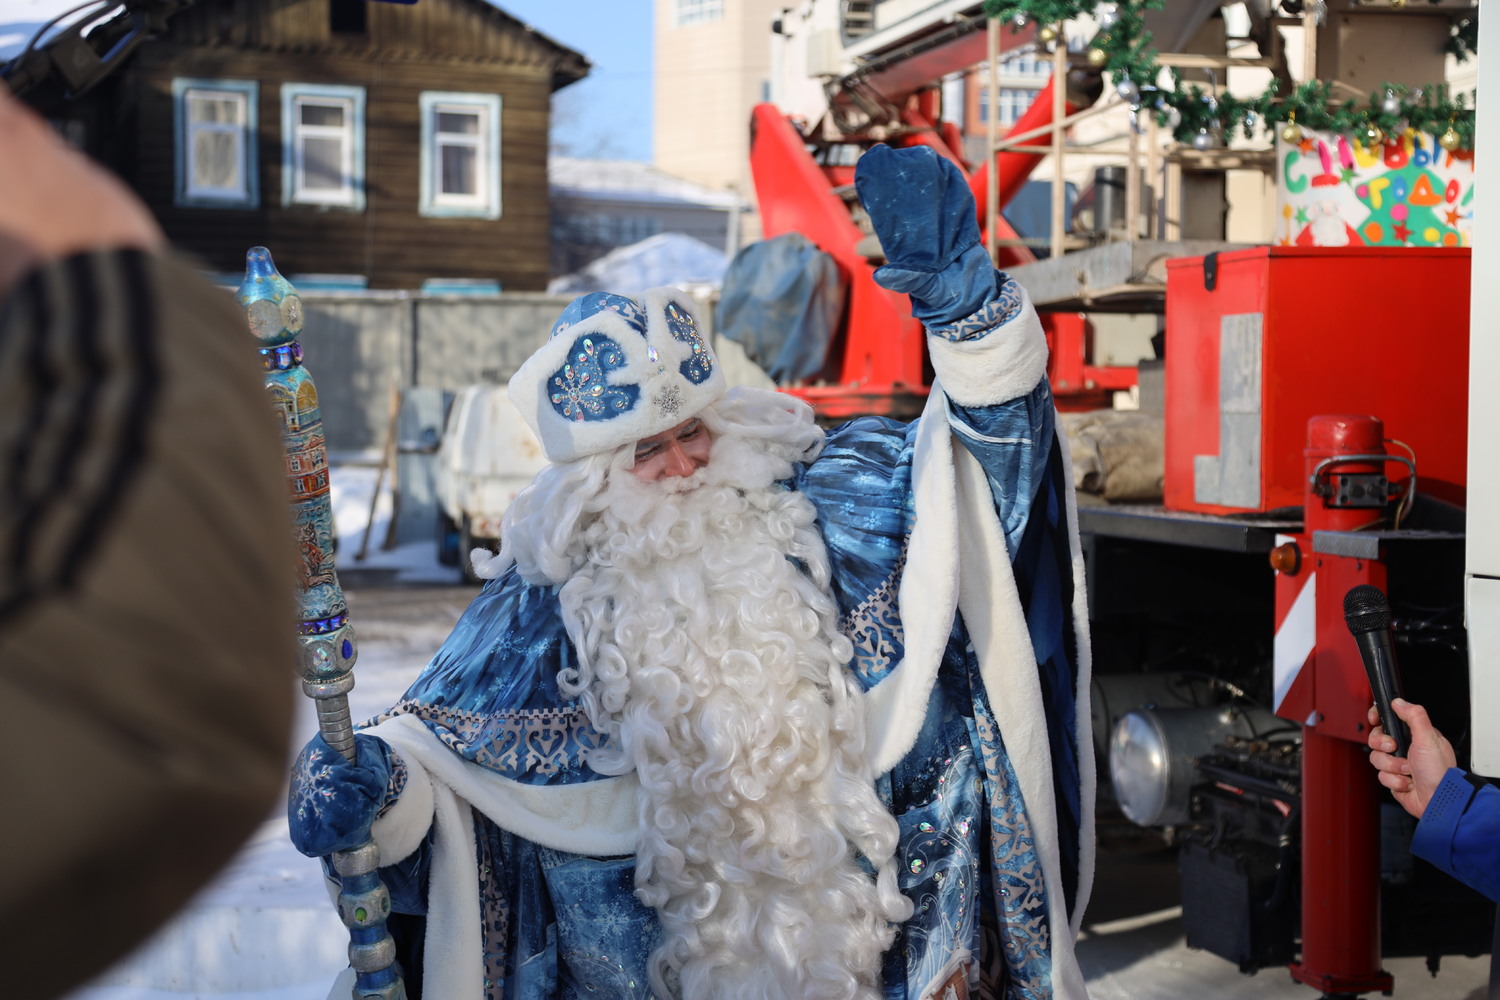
x=1306 y=145
x=1401 y=232
x=1346 y=174
x=1286 y=241
x=1453 y=217
x=1302 y=216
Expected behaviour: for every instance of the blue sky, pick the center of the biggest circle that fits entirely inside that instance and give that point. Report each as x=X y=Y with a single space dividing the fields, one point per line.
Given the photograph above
x=608 y=114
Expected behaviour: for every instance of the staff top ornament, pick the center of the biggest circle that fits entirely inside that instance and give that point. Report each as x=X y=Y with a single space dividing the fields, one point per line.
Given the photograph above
x=273 y=309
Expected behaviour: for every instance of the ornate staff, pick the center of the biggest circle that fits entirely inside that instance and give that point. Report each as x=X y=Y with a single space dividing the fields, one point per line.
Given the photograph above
x=274 y=311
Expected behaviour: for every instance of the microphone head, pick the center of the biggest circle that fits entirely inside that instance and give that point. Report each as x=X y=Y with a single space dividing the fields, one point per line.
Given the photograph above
x=1366 y=610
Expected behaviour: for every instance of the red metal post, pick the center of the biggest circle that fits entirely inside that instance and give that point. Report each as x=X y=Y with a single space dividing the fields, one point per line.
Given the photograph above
x=1340 y=798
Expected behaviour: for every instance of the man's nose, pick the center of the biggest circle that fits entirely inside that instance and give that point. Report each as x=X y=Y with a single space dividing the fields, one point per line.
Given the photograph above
x=678 y=462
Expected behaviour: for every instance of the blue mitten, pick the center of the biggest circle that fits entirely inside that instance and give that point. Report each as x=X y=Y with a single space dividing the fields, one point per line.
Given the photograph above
x=331 y=802
x=924 y=215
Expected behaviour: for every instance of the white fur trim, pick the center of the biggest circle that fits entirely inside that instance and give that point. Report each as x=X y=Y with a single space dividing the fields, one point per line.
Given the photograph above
x=1083 y=719
x=589 y=817
x=953 y=501
x=1005 y=363
x=597 y=817
x=991 y=610
x=927 y=597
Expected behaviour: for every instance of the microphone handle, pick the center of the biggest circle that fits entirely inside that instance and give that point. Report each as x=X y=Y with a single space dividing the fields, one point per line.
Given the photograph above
x=1379 y=656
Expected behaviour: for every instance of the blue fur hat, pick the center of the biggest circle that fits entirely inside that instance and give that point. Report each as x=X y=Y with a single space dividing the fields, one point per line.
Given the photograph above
x=614 y=371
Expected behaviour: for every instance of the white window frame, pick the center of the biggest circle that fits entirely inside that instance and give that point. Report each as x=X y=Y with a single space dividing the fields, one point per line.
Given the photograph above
x=686 y=12
x=351 y=193
x=245 y=94
x=485 y=203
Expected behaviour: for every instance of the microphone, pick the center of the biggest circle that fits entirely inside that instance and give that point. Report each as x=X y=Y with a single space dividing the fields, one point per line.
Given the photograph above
x=1369 y=619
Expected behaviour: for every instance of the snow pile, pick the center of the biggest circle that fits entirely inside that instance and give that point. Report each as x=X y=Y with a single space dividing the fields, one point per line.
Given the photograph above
x=664 y=259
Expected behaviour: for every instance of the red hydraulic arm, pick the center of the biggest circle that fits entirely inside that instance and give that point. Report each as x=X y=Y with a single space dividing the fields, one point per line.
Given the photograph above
x=879 y=363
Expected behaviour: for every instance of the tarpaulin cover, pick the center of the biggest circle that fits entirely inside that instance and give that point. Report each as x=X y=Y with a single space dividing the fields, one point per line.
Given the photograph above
x=782 y=300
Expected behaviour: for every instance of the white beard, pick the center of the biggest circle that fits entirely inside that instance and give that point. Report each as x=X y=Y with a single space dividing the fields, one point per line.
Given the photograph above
x=713 y=665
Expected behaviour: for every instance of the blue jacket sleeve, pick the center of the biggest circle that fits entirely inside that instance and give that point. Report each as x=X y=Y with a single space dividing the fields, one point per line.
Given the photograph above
x=1460 y=832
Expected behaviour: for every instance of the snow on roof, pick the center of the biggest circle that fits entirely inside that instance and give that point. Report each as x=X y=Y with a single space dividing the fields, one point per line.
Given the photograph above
x=664 y=259
x=20 y=19
x=629 y=180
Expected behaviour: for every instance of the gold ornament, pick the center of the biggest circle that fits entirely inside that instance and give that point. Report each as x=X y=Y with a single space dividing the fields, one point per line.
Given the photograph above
x=1098 y=57
x=1047 y=34
x=1374 y=136
x=1449 y=140
x=1398 y=4
x=1292 y=134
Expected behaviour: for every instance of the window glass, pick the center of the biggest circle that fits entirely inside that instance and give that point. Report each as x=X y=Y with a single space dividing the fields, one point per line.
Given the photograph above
x=213 y=139
x=699 y=11
x=322 y=115
x=460 y=170
x=458 y=122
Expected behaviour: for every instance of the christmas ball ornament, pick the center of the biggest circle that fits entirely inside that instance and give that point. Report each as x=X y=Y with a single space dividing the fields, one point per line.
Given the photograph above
x=1449 y=140
x=1398 y=4
x=1292 y=133
x=1373 y=135
x=1019 y=20
x=1047 y=33
x=1098 y=57
x=1390 y=105
x=1205 y=140
x=1174 y=117
x=1128 y=91
x=1109 y=16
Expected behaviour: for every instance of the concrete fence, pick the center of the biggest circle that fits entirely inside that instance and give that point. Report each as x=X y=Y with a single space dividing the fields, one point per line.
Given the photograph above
x=359 y=345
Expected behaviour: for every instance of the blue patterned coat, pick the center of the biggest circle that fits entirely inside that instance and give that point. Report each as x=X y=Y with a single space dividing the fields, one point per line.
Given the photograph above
x=996 y=829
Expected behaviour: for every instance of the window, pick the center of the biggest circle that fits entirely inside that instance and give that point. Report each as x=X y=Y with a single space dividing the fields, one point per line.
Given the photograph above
x=214 y=163
x=1014 y=102
x=1032 y=64
x=460 y=155
x=698 y=11
x=323 y=140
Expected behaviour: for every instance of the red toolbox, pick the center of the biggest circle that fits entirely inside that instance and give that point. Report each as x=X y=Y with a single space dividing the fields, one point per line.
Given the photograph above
x=1259 y=340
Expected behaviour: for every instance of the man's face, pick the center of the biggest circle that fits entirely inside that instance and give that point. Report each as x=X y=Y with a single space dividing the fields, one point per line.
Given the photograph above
x=679 y=451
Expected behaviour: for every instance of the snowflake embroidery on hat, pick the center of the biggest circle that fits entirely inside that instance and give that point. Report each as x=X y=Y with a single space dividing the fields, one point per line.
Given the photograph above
x=669 y=401
x=700 y=364
x=579 y=388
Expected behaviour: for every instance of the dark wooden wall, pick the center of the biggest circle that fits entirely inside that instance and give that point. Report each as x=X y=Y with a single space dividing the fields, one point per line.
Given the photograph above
x=474 y=49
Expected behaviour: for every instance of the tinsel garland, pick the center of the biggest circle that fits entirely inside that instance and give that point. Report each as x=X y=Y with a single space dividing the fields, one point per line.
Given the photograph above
x=1123 y=48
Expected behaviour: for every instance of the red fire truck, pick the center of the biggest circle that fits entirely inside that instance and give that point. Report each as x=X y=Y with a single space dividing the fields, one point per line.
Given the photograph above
x=1315 y=414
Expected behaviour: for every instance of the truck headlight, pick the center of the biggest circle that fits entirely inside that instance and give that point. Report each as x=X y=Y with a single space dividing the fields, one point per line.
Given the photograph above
x=1153 y=756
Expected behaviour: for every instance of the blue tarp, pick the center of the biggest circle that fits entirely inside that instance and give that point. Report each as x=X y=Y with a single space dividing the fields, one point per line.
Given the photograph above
x=782 y=301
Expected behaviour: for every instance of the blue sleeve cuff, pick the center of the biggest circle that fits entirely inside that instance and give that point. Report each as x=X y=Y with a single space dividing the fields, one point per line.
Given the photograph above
x=1460 y=832
x=1433 y=840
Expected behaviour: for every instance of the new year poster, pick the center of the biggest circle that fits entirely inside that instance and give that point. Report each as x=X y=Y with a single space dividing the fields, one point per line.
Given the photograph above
x=1334 y=191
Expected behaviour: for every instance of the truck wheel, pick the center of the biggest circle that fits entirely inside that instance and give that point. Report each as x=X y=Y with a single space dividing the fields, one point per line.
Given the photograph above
x=449 y=550
x=467 y=543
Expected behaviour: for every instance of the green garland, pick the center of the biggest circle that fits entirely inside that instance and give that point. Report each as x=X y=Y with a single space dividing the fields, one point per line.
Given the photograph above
x=1124 y=50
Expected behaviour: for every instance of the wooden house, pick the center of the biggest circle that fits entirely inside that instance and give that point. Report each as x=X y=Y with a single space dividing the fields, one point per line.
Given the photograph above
x=391 y=145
